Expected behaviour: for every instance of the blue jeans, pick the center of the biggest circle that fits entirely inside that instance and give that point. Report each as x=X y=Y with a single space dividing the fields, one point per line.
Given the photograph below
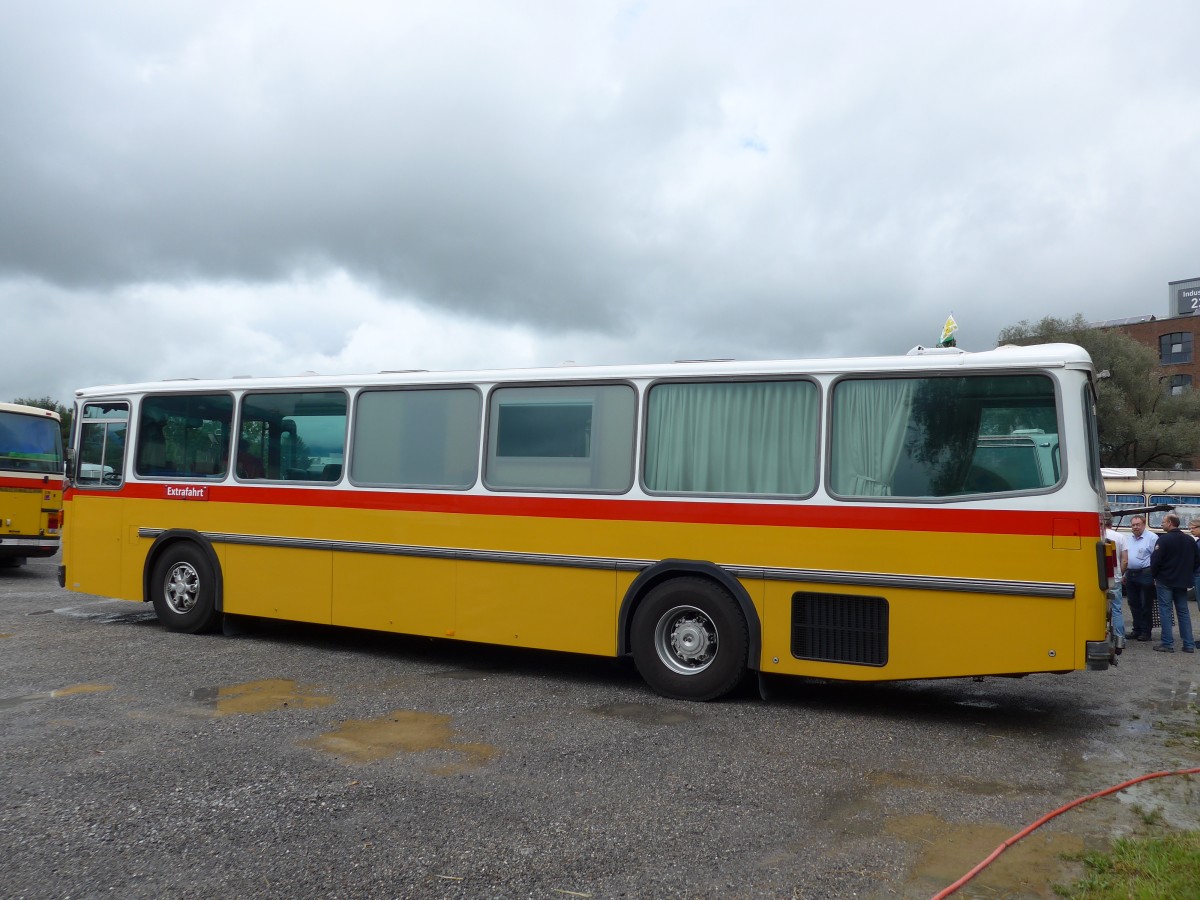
x=1176 y=597
x=1117 y=614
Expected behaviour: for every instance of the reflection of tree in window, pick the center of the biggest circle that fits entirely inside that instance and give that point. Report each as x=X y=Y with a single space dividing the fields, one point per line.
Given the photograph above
x=947 y=416
x=943 y=431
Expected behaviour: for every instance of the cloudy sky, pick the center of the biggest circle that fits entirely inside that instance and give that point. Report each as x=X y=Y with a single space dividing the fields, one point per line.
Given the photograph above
x=264 y=187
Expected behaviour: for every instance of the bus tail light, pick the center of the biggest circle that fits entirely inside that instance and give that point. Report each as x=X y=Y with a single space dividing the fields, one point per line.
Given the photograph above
x=54 y=520
x=1106 y=563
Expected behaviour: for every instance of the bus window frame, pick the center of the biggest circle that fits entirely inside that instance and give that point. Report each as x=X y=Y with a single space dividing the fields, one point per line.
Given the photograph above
x=352 y=437
x=82 y=422
x=827 y=471
x=239 y=420
x=486 y=447
x=136 y=438
x=644 y=429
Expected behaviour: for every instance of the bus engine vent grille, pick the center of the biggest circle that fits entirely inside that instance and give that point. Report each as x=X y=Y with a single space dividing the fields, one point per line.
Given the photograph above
x=840 y=628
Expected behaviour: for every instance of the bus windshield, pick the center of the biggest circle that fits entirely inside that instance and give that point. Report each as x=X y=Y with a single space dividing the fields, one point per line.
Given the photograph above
x=30 y=443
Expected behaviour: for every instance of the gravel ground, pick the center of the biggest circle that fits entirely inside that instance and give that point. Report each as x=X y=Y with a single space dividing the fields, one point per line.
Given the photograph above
x=287 y=761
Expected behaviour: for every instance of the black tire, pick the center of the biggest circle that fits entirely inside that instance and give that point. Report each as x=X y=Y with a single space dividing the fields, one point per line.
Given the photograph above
x=690 y=640
x=184 y=590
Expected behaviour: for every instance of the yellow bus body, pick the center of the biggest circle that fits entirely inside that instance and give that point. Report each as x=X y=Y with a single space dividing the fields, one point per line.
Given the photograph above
x=933 y=633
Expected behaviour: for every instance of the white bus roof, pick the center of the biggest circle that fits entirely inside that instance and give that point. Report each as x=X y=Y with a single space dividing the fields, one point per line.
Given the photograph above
x=29 y=410
x=919 y=359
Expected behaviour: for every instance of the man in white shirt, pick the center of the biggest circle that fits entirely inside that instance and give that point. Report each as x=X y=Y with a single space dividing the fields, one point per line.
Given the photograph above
x=1139 y=582
x=1118 y=615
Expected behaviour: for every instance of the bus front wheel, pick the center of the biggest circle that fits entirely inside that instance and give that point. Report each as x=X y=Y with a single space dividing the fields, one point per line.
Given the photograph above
x=184 y=590
x=690 y=640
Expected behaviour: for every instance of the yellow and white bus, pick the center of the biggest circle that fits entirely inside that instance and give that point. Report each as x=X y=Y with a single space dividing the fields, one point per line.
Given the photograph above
x=860 y=519
x=1157 y=491
x=31 y=483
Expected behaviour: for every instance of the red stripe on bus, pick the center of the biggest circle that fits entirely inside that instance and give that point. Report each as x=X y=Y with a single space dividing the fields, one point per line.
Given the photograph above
x=880 y=518
x=32 y=480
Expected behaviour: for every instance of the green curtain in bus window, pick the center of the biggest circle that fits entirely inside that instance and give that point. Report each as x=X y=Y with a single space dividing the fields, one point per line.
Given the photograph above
x=732 y=438
x=870 y=421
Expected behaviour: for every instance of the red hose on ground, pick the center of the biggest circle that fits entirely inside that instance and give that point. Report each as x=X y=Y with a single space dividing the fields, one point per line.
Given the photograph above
x=1029 y=829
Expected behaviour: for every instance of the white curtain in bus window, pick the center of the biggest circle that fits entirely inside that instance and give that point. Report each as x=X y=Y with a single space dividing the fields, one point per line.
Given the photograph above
x=292 y=436
x=732 y=438
x=941 y=437
x=870 y=423
x=417 y=438
x=569 y=438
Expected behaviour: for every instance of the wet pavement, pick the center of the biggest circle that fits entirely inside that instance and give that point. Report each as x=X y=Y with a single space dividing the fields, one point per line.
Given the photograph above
x=293 y=760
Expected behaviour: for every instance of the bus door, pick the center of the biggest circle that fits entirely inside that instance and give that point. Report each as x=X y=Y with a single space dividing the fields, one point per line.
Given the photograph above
x=93 y=523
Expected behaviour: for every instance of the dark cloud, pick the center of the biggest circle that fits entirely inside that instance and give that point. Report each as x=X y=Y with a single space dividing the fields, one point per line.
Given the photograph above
x=781 y=179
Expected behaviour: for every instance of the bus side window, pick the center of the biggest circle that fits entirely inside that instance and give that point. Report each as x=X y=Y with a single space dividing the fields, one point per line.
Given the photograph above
x=292 y=435
x=183 y=435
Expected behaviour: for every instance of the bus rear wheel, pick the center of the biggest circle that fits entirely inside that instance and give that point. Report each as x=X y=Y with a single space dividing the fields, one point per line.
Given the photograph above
x=184 y=590
x=690 y=640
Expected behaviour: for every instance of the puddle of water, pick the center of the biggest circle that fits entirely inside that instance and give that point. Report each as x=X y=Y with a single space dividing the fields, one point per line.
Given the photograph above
x=402 y=731
x=81 y=689
x=643 y=714
x=1181 y=696
x=260 y=696
x=10 y=702
x=1029 y=868
x=965 y=785
x=1172 y=801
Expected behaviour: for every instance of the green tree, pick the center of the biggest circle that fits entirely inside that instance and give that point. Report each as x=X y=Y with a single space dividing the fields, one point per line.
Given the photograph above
x=1142 y=424
x=65 y=412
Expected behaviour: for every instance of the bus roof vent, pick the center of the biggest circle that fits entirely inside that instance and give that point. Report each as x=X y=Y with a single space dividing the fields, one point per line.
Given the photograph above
x=935 y=351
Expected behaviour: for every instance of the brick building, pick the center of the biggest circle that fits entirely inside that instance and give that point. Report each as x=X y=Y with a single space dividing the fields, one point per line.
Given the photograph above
x=1175 y=336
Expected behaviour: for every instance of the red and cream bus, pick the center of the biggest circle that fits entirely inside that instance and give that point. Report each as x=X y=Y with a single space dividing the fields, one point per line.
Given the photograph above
x=31 y=483
x=857 y=519
x=1152 y=492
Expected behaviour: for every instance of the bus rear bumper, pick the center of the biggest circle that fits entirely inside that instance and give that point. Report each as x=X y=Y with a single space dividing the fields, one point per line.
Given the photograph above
x=28 y=546
x=1100 y=655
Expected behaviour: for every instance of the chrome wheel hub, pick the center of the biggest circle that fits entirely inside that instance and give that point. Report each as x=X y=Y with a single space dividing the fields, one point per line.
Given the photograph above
x=182 y=588
x=686 y=640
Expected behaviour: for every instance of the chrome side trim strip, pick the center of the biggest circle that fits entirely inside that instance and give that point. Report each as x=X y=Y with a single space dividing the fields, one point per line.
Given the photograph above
x=29 y=543
x=768 y=573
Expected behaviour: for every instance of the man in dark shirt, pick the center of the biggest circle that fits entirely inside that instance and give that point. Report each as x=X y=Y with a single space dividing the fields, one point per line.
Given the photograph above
x=1173 y=562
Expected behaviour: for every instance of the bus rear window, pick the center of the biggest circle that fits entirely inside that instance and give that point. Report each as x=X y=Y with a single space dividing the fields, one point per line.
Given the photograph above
x=944 y=436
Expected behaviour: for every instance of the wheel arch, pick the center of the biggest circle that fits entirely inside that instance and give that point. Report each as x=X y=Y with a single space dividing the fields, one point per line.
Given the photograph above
x=665 y=570
x=173 y=537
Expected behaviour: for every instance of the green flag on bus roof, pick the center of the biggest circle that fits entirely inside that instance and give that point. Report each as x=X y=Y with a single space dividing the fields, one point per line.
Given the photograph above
x=948 y=330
